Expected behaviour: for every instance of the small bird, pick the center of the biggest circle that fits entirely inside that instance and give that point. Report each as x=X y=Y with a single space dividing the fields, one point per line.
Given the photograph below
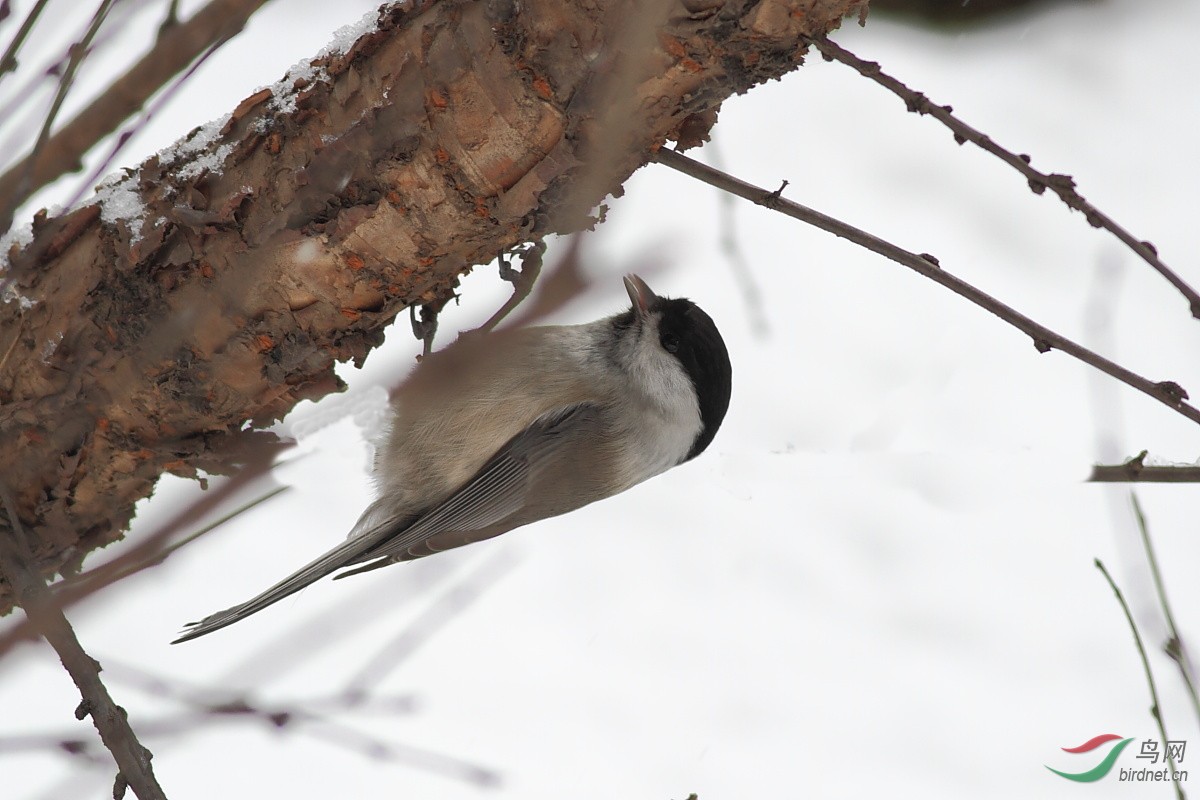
x=501 y=430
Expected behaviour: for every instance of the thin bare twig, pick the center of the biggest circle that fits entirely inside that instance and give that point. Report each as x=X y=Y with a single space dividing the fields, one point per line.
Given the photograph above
x=24 y=171
x=177 y=46
x=1168 y=393
x=133 y=760
x=1039 y=182
x=8 y=62
x=48 y=71
x=1174 y=647
x=1155 y=709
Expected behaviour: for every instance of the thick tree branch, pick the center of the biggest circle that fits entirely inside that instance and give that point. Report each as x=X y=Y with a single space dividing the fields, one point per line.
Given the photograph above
x=222 y=279
x=1168 y=393
x=1039 y=182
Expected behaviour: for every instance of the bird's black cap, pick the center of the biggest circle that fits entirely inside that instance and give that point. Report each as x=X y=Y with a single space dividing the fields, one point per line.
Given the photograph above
x=692 y=337
x=701 y=351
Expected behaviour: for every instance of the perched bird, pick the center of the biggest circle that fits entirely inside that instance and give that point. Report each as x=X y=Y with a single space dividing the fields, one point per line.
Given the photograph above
x=502 y=430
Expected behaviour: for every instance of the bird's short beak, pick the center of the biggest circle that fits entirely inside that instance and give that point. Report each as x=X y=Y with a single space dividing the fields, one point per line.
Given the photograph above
x=639 y=294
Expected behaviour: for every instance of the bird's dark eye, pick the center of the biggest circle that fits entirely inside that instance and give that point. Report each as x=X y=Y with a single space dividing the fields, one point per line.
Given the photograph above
x=670 y=342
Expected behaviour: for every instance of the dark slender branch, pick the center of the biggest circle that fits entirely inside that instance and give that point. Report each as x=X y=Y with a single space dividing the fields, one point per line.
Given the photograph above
x=1156 y=709
x=1039 y=182
x=8 y=62
x=1168 y=393
x=1174 y=646
x=177 y=46
x=28 y=96
x=1135 y=470
x=24 y=171
x=133 y=760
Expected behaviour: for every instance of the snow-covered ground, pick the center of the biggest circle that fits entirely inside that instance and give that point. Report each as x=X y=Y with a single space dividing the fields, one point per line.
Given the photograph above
x=879 y=579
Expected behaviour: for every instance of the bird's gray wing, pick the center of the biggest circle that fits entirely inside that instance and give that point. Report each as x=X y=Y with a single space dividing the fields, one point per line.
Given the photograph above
x=496 y=492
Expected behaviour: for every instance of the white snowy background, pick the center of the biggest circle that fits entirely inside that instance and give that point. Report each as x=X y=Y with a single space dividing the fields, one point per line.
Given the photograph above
x=878 y=581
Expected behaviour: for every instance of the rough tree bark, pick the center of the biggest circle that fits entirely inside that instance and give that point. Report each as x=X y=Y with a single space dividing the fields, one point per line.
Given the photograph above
x=221 y=280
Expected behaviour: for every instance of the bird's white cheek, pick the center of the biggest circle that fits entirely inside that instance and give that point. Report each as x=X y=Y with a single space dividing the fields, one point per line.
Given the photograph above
x=657 y=440
x=661 y=413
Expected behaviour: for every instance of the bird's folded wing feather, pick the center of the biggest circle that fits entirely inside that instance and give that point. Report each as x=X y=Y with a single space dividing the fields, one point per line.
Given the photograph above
x=500 y=487
x=497 y=490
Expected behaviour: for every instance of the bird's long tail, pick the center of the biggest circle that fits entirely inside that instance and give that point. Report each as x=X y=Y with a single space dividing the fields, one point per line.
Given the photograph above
x=381 y=527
